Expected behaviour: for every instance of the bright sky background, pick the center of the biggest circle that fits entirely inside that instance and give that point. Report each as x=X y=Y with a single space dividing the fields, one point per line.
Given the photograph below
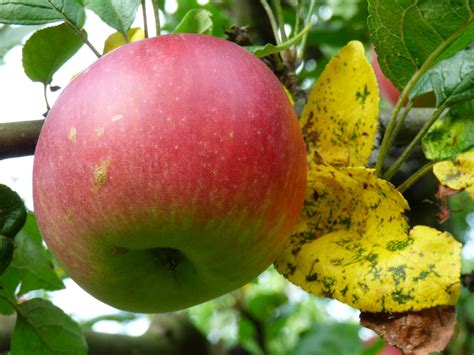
x=21 y=99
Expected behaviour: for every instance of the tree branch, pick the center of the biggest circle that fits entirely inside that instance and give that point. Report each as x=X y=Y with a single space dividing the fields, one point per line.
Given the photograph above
x=19 y=139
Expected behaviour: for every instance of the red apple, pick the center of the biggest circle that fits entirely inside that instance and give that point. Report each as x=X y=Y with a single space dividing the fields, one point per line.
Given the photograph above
x=387 y=90
x=169 y=172
x=387 y=348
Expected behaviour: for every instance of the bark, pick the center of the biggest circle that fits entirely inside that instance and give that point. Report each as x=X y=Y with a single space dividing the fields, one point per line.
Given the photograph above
x=19 y=139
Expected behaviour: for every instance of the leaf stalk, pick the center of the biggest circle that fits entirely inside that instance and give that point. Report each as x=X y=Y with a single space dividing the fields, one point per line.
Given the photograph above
x=409 y=149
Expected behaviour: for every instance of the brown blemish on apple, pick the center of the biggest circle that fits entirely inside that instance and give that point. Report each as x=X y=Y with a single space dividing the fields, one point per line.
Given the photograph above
x=69 y=215
x=117 y=116
x=99 y=131
x=118 y=250
x=72 y=135
x=100 y=175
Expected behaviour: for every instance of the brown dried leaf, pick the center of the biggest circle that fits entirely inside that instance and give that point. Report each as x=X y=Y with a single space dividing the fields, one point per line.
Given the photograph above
x=415 y=333
x=442 y=196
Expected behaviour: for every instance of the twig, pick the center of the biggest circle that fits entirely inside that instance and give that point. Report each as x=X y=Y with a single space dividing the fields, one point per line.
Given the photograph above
x=417 y=175
x=409 y=149
x=271 y=18
x=297 y=19
x=281 y=21
x=305 y=37
x=145 y=22
x=156 y=10
x=400 y=122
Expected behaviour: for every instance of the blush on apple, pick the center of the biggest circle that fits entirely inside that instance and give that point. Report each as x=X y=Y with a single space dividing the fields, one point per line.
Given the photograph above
x=169 y=172
x=388 y=91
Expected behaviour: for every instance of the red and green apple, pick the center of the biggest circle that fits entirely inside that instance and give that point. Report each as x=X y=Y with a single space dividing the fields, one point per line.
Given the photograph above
x=169 y=172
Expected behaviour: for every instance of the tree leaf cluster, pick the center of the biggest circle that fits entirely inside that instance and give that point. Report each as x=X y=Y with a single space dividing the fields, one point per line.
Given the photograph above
x=47 y=328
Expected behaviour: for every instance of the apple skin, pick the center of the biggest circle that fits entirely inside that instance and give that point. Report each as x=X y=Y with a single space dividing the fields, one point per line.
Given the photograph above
x=388 y=91
x=387 y=348
x=169 y=172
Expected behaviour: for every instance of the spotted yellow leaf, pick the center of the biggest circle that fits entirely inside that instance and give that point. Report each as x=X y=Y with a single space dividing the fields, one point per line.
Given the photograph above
x=117 y=39
x=457 y=174
x=352 y=243
x=340 y=118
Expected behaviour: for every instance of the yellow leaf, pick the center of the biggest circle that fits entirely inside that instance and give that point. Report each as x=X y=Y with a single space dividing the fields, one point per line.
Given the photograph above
x=352 y=243
x=117 y=39
x=457 y=174
x=288 y=93
x=340 y=119
x=347 y=199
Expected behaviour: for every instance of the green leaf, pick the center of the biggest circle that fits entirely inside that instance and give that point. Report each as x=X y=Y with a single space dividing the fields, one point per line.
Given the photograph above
x=44 y=329
x=463 y=41
x=451 y=135
x=406 y=33
x=263 y=305
x=452 y=80
x=334 y=339
x=6 y=253
x=9 y=282
x=39 y=12
x=32 y=260
x=195 y=21
x=11 y=37
x=47 y=50
x=118 y=14
x=247 y=336
x=12 y=212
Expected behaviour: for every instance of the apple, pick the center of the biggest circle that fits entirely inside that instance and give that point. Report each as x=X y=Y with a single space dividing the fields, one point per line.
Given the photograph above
x=169 y=172
x=387 y=348
x=388 y=91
